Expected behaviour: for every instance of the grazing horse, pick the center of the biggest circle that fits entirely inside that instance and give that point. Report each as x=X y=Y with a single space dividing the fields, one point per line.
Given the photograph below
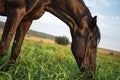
x=84 y=30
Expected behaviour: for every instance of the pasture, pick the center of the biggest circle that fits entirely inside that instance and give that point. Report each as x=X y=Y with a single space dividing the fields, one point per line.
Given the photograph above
x=39 y=60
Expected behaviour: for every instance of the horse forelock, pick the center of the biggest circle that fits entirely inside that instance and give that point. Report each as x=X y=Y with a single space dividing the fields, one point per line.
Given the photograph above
x=95 y=35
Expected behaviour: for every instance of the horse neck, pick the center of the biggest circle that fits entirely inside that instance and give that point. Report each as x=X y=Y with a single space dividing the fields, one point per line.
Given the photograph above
x=71 y=12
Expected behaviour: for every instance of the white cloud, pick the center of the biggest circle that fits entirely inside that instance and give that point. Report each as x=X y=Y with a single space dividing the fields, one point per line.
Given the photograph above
x=97 y=3
x=50 y=19
x=2 y=18
x=116 y=17
x=101 y=3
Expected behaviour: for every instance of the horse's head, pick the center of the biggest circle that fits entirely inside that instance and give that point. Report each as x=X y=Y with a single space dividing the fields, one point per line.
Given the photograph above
x=84 y=45
x=93 y=39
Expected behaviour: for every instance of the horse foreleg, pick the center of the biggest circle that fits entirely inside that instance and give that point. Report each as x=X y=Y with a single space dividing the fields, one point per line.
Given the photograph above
x=14 y=17
x=18 y=40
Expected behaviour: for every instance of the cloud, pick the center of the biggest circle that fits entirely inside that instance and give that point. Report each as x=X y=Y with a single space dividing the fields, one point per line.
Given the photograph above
x=2 y=18
x=96 y=4
x=109 y=23
x=50 y=19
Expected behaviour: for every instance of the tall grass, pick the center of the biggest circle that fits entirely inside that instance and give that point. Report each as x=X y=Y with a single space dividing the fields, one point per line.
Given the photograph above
x=40 y=61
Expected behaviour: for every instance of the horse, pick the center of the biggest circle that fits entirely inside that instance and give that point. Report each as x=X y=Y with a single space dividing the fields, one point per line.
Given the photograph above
x=83 y=27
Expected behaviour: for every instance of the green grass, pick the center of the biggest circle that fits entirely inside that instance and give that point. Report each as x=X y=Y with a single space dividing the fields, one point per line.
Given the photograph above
x=40 y=61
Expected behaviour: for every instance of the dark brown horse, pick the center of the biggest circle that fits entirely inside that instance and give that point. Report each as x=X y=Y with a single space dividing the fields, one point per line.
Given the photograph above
x=84 y=30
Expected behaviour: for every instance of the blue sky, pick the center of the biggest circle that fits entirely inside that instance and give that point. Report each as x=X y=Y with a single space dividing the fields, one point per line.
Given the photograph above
x=108 y=13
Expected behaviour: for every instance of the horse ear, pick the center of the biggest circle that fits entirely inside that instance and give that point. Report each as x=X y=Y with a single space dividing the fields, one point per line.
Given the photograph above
x=94 y=20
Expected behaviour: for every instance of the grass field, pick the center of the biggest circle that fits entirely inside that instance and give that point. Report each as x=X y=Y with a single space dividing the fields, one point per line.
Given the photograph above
x=48 y=61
